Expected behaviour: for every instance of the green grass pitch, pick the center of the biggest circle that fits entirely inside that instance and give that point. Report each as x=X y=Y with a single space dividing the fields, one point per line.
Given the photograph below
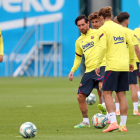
x=51 y=104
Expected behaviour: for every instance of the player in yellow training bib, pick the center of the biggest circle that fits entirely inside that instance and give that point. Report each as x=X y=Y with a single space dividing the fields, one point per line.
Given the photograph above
x=96 y=24
x=87 y=44
x=119 y=61
x=123 y=19
x=137 y=33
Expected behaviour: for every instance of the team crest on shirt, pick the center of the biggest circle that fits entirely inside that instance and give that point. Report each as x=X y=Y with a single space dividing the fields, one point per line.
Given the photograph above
x=92 y=37
x=80 y=85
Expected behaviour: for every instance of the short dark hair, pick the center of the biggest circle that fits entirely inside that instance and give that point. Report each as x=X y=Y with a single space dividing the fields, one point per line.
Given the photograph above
x=81 y=17
x=122 y=16
x=93 y=15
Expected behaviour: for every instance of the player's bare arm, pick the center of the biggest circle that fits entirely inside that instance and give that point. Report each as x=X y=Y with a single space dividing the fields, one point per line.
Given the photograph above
x=1 y=58
x=70 y=76
x=137 y=51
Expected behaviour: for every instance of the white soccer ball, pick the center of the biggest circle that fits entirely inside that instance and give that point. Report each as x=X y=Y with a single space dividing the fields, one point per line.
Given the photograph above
x=99 y=120
x=91 y=99
x=28 y=130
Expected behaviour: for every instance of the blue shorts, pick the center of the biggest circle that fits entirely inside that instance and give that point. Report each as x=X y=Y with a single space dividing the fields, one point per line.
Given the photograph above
x=116 y=81
x=137 y=71
x=133 y=77
x=89 y=82
x=102 y=73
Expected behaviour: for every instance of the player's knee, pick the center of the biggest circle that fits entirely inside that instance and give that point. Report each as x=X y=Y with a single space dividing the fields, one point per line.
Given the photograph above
x=81 y=97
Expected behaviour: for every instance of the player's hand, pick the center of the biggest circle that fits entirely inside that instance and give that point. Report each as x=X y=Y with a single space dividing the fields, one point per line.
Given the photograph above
x=97 y=71
x=131 y=68
x=70 y=76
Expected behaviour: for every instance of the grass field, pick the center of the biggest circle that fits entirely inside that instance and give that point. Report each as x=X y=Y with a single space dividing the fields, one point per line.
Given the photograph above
x=54 y=110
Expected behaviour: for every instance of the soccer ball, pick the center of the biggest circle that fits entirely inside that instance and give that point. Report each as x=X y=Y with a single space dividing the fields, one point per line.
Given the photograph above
x=99 y=120
x=91 y=99
x=28 y=130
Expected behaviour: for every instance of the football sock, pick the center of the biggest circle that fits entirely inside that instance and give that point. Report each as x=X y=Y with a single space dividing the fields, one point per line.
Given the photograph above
x=107 y=116
x=112 y=117
x=123 y=120
x=86 y=120
x=117 y=106
x=135 y=106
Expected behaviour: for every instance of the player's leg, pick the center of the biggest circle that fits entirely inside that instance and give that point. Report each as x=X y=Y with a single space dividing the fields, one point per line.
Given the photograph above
x=111 y=111
x=100 y=96
x=139 y=81
x=123 y=110
x=109 y=103
x=85 y=88
x=123 y=85
x=117 y=105
x=134 y=96
x=102 y=106
x=84 y=110
x=138 y=86
x=101 y=91
x=138 y=92
x=109 y=85
x=133 y=88
x=101 y=79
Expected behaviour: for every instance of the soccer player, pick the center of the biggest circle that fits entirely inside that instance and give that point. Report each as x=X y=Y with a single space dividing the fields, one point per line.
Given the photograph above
x=96 y=24
x=87 y=44
x=137 y=32
x=1 y=47
x=93 y=17
x=119 y=61
x=123 y=19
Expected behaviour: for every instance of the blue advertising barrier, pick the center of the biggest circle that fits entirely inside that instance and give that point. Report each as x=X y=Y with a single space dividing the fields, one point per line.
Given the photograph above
x=28 y=18
x=133 y=8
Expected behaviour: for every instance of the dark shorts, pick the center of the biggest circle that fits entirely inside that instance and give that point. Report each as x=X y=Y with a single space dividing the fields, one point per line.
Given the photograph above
x=102 y=73
x=101 y=78
x=116 y=81
x=133 y=77
x=137 y=71
x=88 y=82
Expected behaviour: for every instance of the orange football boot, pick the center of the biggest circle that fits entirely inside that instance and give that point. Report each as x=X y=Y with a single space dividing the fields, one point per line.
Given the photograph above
x=112 y=127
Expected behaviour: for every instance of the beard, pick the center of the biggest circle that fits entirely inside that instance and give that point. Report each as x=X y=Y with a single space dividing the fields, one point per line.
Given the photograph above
x=84 y=31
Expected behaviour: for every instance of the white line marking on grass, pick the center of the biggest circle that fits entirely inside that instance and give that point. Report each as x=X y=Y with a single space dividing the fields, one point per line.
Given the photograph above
x=28 y=106
x=138 y=123
x=18 y=136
